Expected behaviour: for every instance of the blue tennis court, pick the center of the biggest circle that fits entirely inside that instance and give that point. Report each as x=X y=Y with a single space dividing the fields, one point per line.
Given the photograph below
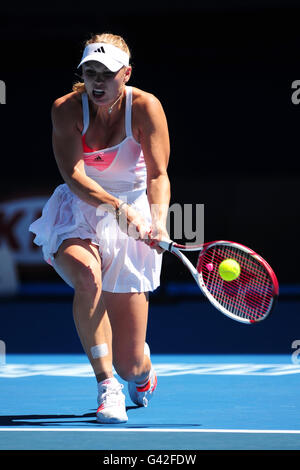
x=221 y=385
x=202 y=402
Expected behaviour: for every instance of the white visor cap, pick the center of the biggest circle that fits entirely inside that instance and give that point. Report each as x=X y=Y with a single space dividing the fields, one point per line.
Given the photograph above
x=111 y=56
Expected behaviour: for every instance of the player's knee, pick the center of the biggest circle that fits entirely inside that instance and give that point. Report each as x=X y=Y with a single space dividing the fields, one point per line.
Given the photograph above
x=88 y=279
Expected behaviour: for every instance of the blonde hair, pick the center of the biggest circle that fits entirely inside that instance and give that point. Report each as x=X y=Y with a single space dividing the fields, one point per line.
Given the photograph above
x=107 y=38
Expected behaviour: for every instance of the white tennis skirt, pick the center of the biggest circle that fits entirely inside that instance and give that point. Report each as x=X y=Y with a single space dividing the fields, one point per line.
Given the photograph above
x=128 y=264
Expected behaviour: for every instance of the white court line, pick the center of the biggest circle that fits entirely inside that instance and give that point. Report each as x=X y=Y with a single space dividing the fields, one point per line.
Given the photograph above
x=11 y=371
x=184 y=430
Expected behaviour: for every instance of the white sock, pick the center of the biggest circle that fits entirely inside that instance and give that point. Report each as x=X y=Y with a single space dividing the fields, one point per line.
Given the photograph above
x=147 y=350
x=110 y=380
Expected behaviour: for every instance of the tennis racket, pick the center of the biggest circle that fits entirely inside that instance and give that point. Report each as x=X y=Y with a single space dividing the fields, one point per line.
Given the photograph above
x=248 y=299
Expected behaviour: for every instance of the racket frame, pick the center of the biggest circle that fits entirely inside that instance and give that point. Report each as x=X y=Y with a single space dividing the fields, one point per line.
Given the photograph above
x=196 y=272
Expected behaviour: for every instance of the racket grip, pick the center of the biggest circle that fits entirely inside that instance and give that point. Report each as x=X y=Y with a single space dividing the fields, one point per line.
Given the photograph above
x=166 y=245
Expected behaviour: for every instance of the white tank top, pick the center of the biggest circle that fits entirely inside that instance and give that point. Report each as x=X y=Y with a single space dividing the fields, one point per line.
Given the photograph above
x=118 y=169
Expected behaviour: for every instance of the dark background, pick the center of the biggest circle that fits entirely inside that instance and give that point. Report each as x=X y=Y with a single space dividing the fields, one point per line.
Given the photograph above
x=223 y=72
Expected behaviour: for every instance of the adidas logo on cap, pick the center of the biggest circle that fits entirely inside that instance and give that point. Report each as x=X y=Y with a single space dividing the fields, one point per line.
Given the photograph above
x=100 y=49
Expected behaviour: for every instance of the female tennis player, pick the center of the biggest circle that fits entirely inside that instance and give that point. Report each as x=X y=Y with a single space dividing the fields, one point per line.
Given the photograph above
x=100 y=229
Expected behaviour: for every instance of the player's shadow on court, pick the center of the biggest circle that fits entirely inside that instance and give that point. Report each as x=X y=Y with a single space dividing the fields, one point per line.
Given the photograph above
x=51 y=419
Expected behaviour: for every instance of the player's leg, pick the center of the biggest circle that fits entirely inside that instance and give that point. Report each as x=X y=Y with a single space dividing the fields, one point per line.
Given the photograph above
x=128 y=314
x=79 y=264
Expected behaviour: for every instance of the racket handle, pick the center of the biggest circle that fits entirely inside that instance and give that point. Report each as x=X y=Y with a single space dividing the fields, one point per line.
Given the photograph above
x=166 y=245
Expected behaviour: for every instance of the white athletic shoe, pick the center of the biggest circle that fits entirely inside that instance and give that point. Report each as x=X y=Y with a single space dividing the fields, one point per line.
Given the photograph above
x=140 y=395
x=111 y=401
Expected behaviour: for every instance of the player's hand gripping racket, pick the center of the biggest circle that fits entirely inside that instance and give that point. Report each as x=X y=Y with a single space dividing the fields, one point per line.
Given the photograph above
x=250 y=297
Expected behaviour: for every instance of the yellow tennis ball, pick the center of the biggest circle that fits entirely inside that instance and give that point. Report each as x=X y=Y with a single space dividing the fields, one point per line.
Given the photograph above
x=229 y=269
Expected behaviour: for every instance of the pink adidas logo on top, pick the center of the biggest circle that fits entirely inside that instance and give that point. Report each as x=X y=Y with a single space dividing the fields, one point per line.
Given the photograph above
x=99 y=159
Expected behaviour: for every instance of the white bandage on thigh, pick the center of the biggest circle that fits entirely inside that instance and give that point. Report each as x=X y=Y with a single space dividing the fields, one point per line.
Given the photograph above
x=100 y=350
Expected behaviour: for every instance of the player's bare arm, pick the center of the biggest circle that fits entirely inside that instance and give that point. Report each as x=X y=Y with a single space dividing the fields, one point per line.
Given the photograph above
x=154 y=139
x=67 y=146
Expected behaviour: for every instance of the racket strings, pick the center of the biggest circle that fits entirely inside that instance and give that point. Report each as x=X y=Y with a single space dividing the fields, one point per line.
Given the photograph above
x=250 y=295
x=244 y=297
